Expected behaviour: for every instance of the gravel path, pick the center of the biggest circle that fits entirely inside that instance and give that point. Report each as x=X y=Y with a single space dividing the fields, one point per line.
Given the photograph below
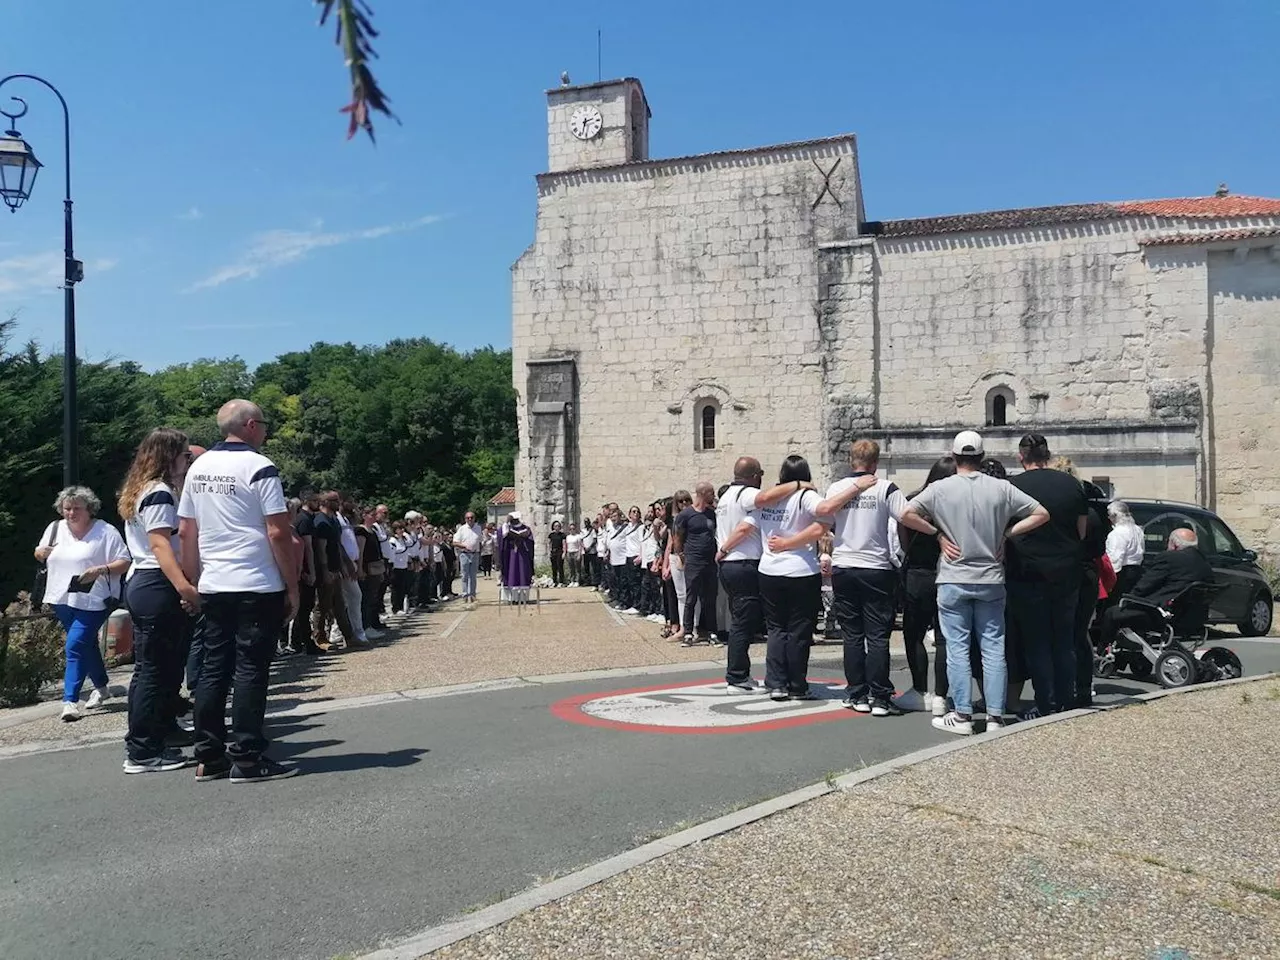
x=1149 y=832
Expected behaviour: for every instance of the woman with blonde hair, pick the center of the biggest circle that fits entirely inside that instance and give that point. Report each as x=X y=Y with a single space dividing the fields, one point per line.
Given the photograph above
x=159 y=597
x=81 y=554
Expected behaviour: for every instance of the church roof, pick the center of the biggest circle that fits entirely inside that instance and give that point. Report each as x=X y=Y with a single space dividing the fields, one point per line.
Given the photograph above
x=1214 y=236
x=1201 y=208
x=503 y=497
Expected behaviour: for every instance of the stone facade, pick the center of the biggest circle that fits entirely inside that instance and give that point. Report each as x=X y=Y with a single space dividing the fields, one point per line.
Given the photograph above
x=747 y=291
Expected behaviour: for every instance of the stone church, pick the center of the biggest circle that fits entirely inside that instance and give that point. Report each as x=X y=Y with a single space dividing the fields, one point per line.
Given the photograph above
x=674 y=314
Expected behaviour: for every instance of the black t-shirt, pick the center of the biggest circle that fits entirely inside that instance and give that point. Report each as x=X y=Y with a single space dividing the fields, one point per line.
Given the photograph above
x=304 y=524
x=372 y=551
x=697 y=531
x=922 y=551
x=1054 y=550
x=327 y=533
x=556 y=539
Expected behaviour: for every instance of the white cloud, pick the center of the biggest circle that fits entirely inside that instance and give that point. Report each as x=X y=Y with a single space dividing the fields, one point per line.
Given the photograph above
x=41 y=273
x=276 y=248
x=192 y=214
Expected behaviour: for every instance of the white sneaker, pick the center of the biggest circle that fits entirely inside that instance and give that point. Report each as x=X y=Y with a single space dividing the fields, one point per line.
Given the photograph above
x=631 y=612
x=939 y=705
x=373 y=633
x=951 y=723
x=745 y=689
x=912 y=700
x=97 y=698
x=70 y=712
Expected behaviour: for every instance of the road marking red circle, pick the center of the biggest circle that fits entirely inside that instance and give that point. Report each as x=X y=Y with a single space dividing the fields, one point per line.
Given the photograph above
x=699 y=707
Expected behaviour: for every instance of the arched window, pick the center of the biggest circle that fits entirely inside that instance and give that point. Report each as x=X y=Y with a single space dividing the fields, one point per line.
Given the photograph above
x=708 y=411
x=1001 y=409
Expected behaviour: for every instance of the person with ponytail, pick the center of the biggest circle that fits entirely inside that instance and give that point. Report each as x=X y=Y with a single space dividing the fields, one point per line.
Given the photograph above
x=159 y=597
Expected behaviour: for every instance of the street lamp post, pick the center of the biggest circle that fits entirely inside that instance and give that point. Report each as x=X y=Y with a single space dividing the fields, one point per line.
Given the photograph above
x=18 y=169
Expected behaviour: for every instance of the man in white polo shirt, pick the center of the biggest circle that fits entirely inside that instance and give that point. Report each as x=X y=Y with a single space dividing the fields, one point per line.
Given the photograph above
x=738 y=537
x=237 y=547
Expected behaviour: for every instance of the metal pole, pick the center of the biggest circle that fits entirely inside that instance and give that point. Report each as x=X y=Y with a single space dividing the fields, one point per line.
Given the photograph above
x=71 y=276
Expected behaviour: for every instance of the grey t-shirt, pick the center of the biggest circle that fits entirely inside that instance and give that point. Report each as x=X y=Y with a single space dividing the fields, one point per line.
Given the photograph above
x=973 y=510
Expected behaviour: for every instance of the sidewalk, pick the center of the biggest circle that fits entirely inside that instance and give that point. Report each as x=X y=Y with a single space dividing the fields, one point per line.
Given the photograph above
x=572 y=632
x=1152 y=831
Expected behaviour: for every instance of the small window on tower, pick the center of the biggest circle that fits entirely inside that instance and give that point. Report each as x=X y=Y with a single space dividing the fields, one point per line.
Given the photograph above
x=707 y=427
x=1000 y=407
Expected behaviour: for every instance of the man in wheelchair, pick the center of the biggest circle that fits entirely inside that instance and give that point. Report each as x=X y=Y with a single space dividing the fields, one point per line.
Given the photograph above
x=1164 y=577
x=1160 y=625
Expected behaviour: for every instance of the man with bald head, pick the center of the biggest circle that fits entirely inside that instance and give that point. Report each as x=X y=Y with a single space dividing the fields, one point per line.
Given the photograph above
x=695 y=542
x=1164 y=576
x=738 y=538
x=237 y=547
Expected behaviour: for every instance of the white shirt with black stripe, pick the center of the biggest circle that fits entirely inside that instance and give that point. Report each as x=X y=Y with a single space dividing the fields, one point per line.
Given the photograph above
x=155 y=511
x=230 y=491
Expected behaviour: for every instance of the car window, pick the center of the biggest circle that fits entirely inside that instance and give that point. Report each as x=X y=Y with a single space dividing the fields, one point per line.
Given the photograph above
x=1156 y=530
x=1224 y=541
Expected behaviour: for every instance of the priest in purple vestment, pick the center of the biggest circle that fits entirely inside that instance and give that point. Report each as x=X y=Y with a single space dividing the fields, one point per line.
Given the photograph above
x=515 y=554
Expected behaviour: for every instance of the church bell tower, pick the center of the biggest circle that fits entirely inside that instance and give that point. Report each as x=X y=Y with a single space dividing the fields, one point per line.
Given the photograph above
x=597 y=125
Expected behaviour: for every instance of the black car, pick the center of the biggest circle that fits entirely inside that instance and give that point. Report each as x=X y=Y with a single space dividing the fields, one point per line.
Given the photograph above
x=1245 y=596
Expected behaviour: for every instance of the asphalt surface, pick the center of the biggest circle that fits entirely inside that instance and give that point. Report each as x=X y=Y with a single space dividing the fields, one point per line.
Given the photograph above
x=404 y=815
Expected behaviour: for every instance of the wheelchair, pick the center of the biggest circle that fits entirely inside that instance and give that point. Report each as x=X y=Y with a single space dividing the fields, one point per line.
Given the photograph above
x=1171 y=649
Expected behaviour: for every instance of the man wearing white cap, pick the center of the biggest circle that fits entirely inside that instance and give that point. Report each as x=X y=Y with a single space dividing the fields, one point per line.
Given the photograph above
x=969 y=513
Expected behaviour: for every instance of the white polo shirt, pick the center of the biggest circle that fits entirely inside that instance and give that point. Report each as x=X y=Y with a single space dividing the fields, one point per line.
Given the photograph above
x=348 y=536
x=617 y=544
x=633 y=539
x=861 y=529
x=156 y=510
x=385 y=546
x=648 y=547
x=738 y=504
x=786 y=518
x=229 y=493
x=467 y=537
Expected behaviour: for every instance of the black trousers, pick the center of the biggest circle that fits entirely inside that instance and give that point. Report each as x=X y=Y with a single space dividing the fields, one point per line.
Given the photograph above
x=300 y=634
x=1041 y=617
x=650 y=593
x=239 y=640
x=1086 y=605
x=741 y=582
x=486 y=564
x=863 y=600
x=159 y=624
x=699 y=584
x=194 y=651
x=919 y=615
x=670 y=601
x=1137 y=619
x=557 y=569
x=370 y=587
x=588 y=568
x=790 y=606
x=400 y=581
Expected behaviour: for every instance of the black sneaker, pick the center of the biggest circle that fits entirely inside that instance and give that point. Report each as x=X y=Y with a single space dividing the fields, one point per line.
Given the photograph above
x=804 y=695
x=779 y=695
x=166 y=762
x=213 y=770
x=261 y=771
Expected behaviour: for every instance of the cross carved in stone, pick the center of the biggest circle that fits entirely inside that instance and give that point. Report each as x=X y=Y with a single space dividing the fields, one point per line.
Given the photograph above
x=826 y=190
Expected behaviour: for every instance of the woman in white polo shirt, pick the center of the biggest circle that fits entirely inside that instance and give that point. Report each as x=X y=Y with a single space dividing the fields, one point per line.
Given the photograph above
x=634 y=534
x=157 y=594
x=401 y=578
x=790 y=577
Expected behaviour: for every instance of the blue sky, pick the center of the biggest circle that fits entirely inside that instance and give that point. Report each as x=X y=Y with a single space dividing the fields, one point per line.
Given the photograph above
x=220 y=209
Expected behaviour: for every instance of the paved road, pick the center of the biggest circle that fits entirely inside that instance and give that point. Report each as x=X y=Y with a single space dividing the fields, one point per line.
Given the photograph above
x=406 y=814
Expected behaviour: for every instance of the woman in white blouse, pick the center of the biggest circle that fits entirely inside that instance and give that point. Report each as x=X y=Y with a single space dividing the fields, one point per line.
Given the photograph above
x=84 y=557
x=1125 y=547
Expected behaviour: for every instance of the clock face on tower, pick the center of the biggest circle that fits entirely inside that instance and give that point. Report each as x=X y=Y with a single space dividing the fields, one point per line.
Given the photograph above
x=586 y=122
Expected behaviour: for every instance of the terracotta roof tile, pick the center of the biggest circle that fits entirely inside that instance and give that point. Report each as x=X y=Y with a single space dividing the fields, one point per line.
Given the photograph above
x=507 y=495
x=1206 y=208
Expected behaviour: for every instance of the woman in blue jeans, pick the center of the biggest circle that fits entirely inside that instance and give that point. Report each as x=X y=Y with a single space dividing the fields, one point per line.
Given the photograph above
x=83 y=557
x=159 y=598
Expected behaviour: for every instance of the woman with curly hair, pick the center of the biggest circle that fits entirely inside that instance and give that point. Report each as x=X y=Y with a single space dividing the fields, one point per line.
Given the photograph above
x=159 y=597
x=82 y=554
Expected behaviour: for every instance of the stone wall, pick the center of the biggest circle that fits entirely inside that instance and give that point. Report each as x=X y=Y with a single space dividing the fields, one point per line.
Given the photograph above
x=1244 y=293
x=675 y=284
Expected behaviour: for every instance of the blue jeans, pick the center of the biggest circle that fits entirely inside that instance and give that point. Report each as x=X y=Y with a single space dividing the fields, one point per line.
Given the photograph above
x=467 y=564
x=84 y=659
x=966 y=610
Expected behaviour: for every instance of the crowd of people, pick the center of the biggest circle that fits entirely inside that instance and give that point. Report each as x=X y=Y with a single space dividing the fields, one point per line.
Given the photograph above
x=220 y=574
x=1001 y=576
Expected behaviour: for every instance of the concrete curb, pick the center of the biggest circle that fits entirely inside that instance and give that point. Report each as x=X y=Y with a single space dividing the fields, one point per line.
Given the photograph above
x=442 y=935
